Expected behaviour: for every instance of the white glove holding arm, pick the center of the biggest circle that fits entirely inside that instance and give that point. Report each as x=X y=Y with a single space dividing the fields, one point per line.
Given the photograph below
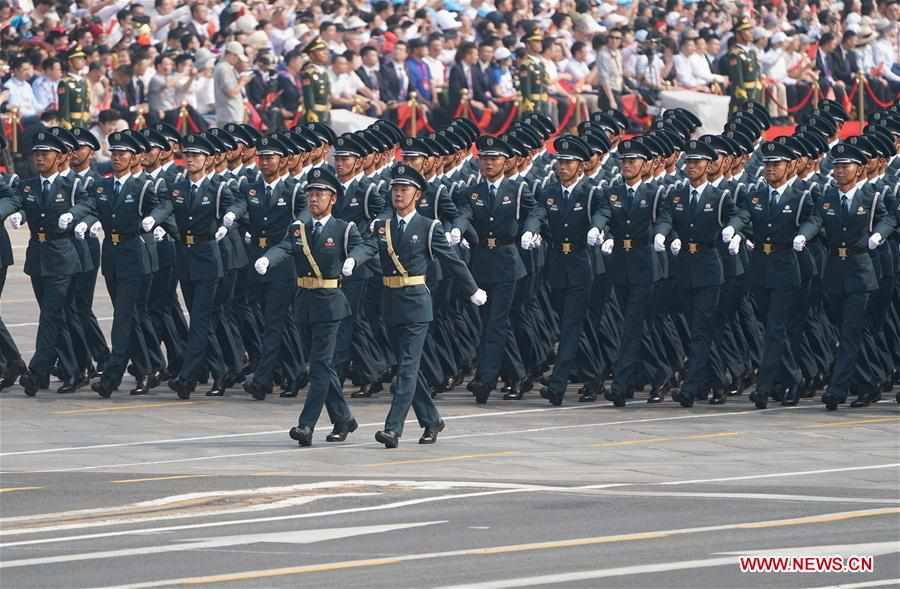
x=659 y=242
x=65 y=220
x=593 y=236
x=80 y=230
x=147 y=224
x=875 y=240
x=228 y=219
x=607 y=247
x=455 y=236
x=750 y=245
x=675 y=246
x=347 y=268
x=261 y=265
x=96 y=228
x=159 y=233
x=734 y=246
x=465 y=243
x=221 y=232
x=16 y=220
x=478 y=298
x=727 y=234
x=536 y=241
x=799 y=243
x=247 y=238
x=526 y=240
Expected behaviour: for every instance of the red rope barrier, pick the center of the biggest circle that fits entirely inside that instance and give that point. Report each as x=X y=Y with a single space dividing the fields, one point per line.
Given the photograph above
x=791 y=109
x=573 y=104
x=513 y=112
x=875 y=99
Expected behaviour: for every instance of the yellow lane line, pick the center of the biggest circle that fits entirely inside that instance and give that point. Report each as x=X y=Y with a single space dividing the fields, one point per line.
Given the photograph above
x=673 y=439
x=11 y=489
x=508 y=549
x=854 y=423
x=126 y=408
x=166 y=478
x=444 y=459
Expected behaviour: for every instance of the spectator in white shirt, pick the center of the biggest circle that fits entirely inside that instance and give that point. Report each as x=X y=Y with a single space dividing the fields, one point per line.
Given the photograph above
x=775 y=64
x=46 y=86
x=685 y=63
x=885 y=51
x=21 y=95
x=435 y=66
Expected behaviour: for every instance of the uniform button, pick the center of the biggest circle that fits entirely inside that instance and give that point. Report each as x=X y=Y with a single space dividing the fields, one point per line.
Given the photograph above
x=692 y=225
x=628 y=222
x=565 y=224
x=114 y=216
x=627 y=235
x=770 y=225
x=265 y=218
x=843 y=229
x=491 y=219
x=190 y=218
x=843 y=243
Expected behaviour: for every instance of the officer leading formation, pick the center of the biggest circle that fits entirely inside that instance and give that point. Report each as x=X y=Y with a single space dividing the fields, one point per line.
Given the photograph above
x=690 y=267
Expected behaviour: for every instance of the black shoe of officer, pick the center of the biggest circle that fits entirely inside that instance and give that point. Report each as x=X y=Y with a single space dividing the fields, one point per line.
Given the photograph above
x=831 y=402
x=70 y=385
x=255 y=390
x=791 y=396
x=616 y=395
x=217 y=390
x=718 y=396
x=340 y=431
x=153 y=379
x=29 y=382
x=481 y=391
x=182 y=388
x=303 y=435
x=684 y=398
x=760 y=398
x=388 y=438
x=587 y=395
x=289 y=394
x=517 y=390
x=862 y=400
x=431 y=433
x=12 y=374
x=556 y=399
x=105 y=390
x=658 y=393
x=141 y=388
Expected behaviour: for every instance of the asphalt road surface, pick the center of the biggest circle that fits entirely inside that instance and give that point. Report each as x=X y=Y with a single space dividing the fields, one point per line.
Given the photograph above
x=154 y=492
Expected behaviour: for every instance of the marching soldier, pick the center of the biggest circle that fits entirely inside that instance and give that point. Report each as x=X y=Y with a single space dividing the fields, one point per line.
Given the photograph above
x=571 y=215
x=533 y=78
x=51 y=205
x=316 y=84
x=10 y=359
x=322 y=246
x=74 y=93
x=742 y=67
x=198 y=202
x=405 y=245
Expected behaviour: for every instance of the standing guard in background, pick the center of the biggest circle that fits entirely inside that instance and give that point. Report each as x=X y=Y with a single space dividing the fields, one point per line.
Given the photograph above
x=316 y=84
x=74 y=93
x=742 y=67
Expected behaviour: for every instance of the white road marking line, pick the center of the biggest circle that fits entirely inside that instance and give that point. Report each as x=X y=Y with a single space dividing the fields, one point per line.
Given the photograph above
x=863 y=585
x=294 y=537
x=369 y=444
x=35 y=323
x=756 y=496
x=780 y=475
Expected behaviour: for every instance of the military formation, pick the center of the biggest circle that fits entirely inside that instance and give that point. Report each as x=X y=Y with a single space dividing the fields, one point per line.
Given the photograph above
x=667 y=264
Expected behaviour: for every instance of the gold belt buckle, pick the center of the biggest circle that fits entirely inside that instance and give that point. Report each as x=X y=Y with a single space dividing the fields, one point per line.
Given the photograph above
x=263 y=242
x=41 y=236
x=188 y=240
x=842 y=253
x=768 y=248
x=567 y=248
x=491 y=242
x=626 y=245
x=693 y=248
x=114 y=237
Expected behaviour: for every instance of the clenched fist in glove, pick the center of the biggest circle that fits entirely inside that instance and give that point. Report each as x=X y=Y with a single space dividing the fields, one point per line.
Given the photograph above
x=349 y=265
x=727 y=234
x=228 y=219
x=593 y=236
x=65 y=220
x=159 y=233
x=875 y=240
x=80 y=230
x=478 y=298
x=455 y=236
x=734 y=246
x=147 y=224
x=221 y=232
x=96 y=228
x=261 y=265
x=659 y=242
x=526 y=240
x=675 y=246
x=799 y=243
x=15 y=220
x=607 y=247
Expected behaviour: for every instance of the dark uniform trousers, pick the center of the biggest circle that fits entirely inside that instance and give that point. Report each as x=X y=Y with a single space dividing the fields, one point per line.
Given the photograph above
x=567 y=216
x=700 y=276
x=407 y=310
x=849 y=278
x=51 y=259
x=494 y=215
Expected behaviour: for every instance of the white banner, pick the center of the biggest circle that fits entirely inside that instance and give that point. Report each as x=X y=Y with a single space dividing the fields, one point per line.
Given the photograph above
x=712 y=110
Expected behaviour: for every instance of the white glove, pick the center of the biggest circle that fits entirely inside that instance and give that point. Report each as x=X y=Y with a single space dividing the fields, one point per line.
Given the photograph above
x=659 y=242
x=228 y=219
x=607 y=247
x=527 y=238
x=537 y=241
x=221 y=232
x=465 y=243
x=455 y=236
x=15 y=220
x=262 y=265
x=727 y=234
x=478 y=298
x=734 y=245
x=147 y=224
x=96 y=228
x=593 y=236
x=80 y=230
x=799 y=243
x=247 y=238
x=159 y=233
x=675 y=246
x=349 y=265
x=447 y=237
x=875 y=240
x=65 y=220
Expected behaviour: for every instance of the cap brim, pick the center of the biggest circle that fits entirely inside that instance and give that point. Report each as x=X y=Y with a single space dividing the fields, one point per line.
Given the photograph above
x=320 y=186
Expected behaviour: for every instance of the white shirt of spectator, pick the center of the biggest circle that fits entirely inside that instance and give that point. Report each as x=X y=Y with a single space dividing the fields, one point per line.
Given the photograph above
x=21 y=96
x=345 y=85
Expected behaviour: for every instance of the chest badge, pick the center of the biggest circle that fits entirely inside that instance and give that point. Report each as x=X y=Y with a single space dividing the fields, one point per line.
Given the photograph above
x=329 y=242
x=551 y=202
x=707 y=207
x=826 y=205
x=414 y=238
x=423 y=202
x=613 y=198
